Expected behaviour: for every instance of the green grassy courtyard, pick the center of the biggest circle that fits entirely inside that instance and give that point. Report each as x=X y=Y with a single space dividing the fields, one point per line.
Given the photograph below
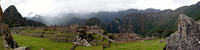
x=145 y=45
x=1 y=43
x=38 y=43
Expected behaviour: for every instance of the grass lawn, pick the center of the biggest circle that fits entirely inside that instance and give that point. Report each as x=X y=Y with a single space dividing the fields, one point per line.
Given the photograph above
x=1 y=43
x=145 y=45
x=38 y=43
x=100 y=47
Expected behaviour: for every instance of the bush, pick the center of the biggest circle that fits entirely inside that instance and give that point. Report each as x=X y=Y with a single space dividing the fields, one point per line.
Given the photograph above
x=105 y=33
x=84 y=35
x=111 y=37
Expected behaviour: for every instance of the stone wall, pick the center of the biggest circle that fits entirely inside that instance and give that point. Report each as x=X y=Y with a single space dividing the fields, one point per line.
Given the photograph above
x=7 y=36
x=187 y=37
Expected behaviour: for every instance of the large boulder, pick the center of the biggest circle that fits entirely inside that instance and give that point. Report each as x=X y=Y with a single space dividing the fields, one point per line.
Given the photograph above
x=187 y=37
x=81 y=42
x=4 y=29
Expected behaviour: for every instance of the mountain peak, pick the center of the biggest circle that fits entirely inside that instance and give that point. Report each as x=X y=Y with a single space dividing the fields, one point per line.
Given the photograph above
x=198 y=3
x=13 y=18
x=11 y=8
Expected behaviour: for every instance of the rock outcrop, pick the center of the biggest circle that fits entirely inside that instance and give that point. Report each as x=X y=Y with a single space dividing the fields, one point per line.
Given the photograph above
x=23 y=48
x=81 y=42
x=1 y=15
x=187 y=37
x=7 y=36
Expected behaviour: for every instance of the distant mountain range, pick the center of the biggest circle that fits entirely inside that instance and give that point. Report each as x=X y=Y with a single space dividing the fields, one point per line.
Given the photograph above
x=105 y=17
x=159 y=23
x=149 y=22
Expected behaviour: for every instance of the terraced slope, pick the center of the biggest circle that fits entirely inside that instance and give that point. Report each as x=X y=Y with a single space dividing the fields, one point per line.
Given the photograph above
x=39 y=43
x=143 y=45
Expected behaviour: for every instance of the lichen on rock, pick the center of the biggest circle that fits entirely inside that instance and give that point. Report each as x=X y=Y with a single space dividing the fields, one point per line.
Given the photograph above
x=7 y=36
x=81 y=42
x=187 y=37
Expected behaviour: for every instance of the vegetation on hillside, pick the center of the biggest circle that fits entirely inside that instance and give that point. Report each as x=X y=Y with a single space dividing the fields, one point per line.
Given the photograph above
x=13 y=18
x=95 y=21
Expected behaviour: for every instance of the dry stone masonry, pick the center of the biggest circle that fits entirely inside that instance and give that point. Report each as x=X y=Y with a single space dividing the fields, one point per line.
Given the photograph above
x=187 y=37
x=81 y=42
x=7 y=36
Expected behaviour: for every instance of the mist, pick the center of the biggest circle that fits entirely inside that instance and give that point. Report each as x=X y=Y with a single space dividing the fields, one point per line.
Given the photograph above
x=76 y=18
x=53 y=8
x=65 y=12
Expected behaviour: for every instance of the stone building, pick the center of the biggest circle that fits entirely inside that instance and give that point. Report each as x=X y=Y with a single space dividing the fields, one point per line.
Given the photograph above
x=90 y=29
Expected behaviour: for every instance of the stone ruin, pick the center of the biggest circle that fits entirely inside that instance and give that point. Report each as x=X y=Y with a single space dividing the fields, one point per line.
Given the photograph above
x=90 y=29
x=126 y=37
x=188 y=36
x=81 y=42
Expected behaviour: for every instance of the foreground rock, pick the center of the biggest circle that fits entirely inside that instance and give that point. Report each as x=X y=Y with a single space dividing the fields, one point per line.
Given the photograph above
x=22 y=48
x=10 y=43
x=187 y=37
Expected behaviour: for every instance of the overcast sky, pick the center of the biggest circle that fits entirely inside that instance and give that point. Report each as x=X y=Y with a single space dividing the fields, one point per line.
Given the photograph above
x=56 y=7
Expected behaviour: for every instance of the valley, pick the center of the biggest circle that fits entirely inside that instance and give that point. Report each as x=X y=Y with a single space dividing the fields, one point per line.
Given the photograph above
x=125 y=29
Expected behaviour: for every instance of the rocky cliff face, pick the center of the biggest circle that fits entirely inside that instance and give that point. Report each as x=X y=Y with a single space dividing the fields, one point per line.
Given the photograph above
x=187 y=37
x=146 y=23
x=150 y=23
x=1 y=15
x=1 y=35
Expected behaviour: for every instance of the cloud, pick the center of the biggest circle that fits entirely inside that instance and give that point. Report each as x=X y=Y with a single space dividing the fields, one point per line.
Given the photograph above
x=52 y=8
